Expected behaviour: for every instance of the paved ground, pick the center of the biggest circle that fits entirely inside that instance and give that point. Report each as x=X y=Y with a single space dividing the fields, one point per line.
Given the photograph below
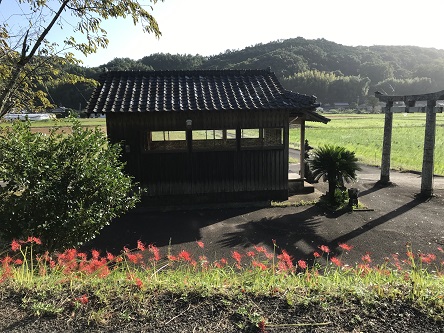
x=396 y=217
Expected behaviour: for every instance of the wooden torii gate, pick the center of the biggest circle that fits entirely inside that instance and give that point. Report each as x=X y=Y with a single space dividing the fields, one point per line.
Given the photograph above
x=429 y=138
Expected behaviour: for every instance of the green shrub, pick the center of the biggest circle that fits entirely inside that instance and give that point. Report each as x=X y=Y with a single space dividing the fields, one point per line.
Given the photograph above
x=334 y=164
x=61 y=187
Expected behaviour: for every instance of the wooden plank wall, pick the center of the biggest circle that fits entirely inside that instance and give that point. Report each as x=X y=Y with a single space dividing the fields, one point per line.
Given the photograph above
x=201 y=172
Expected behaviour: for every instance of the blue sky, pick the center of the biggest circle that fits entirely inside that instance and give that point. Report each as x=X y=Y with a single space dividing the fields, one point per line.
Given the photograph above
x=209 y=27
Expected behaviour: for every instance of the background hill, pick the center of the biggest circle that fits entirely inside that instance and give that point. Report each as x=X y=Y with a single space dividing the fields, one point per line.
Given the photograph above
x=330 y=71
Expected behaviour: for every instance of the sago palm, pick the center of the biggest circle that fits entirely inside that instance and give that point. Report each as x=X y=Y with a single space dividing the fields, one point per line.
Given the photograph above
x=335 y=165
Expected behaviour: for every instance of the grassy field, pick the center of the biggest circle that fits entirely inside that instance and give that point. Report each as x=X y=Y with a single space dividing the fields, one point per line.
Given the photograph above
x=363 y=134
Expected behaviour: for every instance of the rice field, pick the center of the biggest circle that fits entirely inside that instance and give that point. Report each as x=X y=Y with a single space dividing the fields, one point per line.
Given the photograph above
x=363 y=134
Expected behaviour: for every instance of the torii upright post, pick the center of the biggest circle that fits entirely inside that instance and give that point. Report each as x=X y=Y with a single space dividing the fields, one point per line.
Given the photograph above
x=429 y=150
x=387 y=144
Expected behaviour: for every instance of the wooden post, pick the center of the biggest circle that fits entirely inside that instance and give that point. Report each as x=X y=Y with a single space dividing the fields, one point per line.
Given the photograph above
x=302 y=150
x=429 y=151
x=387 y=145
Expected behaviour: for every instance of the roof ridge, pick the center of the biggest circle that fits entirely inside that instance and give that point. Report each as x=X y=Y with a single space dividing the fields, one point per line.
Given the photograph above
x=192 y=71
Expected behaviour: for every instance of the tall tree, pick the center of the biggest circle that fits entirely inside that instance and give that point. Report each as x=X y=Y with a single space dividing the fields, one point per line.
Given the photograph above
x=28 y=58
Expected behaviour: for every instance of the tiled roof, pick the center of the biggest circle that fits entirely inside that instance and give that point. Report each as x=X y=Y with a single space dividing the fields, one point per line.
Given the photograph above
x=198 y=90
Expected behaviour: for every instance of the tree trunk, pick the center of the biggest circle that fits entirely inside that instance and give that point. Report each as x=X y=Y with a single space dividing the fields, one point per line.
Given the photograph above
x=331 y=189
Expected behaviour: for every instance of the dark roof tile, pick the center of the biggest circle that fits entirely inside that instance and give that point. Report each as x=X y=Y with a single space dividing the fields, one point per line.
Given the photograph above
x=131 y=91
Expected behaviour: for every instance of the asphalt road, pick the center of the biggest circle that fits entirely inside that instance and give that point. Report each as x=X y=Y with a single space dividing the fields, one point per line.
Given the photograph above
x=396 y=217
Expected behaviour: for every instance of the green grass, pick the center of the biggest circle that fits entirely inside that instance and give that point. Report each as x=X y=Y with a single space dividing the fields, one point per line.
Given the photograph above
x=363 y=134
x=80 y=285
x=62 y=122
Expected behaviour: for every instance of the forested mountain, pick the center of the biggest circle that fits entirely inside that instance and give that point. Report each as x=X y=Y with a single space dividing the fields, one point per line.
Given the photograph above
x=330 y=71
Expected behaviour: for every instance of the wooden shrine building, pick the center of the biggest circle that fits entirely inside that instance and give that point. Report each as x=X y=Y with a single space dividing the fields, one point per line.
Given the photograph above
x=203 y=136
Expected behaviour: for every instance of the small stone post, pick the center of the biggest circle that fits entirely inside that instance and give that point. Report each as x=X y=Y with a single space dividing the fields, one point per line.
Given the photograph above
x=387 y=144
x=429 y=151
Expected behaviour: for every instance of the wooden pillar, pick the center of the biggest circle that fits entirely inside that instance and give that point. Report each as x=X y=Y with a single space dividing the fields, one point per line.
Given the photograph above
x=302 y=150
x=429 y=150
x=387 y=144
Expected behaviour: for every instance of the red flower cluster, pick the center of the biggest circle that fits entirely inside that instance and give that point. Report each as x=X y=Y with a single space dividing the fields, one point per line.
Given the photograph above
x=17 y=244
x=285 y=261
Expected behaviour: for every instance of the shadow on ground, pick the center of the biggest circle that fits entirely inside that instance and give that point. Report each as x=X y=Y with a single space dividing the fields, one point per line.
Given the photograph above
x=298 y=230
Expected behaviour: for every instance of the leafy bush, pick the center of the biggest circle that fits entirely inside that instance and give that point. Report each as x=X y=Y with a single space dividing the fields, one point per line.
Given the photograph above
x=61 y=187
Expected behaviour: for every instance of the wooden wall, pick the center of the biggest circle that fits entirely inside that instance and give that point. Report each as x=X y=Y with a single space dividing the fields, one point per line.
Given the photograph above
x=224 y=175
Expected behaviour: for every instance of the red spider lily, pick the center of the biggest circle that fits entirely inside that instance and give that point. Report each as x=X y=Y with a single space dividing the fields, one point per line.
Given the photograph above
x=134 y=257
x=172 y=258
x=155 y=251
x=125 y=249
x=282 y=266
x=140 y=246
x=260 y=249
x=139 y=283
x=34 y=240
x=259 y=265
x=67 y=260
x=15 y=245
x=440 y=249
x=286 y=259
x=6 y=261
x=109 y=256
x=18 y=261
x=83 y=299
x=236 y=256
x=345 y=247
x=364 y=269
x=95 y=266
x=200 y=244
x=82 y=255
x=251 y=254
x=316 y=254
x=336 y=261
x=366 y=258
x=221 y=263
x=324 y=248
x=427 y=258
x=95 y=254
x=184 y=255
x=410 y=254
x=7 y=273
x=268 y=255
x=302 y=264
